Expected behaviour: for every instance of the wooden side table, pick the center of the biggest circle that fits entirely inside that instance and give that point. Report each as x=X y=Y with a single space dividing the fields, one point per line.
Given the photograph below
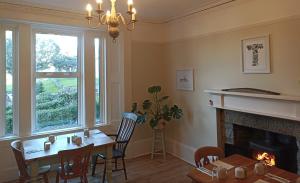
x=158 y=143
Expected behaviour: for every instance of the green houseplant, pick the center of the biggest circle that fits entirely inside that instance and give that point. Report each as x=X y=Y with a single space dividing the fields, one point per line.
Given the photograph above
x=157 y=110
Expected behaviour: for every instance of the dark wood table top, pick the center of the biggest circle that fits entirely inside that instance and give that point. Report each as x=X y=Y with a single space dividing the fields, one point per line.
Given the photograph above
x=34 y=149
x=238 y=160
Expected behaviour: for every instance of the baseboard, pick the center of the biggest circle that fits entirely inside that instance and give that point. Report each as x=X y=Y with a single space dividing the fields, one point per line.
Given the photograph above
x=181 y=151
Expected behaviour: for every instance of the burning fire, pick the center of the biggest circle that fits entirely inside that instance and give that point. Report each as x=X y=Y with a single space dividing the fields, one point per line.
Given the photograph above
x=268 y=159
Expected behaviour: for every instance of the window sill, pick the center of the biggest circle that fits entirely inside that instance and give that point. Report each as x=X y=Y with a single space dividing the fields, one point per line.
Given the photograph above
x=101 y=124
x=52 y=132
x=9 y=138
x=57 y=132
x=65 y=131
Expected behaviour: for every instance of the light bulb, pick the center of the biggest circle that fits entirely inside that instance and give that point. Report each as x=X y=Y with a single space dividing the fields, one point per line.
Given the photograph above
x=133 y=10
x=99 y=6
x=133 y=16
x=130 y=2
x=107 y=16
x=89 y=7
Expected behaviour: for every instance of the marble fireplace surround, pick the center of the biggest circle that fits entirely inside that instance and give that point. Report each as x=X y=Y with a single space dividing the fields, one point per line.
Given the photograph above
x=275 y=113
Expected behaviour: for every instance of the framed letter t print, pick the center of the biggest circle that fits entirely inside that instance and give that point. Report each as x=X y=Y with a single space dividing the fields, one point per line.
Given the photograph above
x=256 y=55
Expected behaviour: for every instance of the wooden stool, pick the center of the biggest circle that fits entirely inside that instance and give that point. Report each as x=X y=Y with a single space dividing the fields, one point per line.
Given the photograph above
x=158 y=143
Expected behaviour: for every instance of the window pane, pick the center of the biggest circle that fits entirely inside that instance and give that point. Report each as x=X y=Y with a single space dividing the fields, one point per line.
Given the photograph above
x=56 y=53
x=97 y=80
x=56 y=103
x=9 y=83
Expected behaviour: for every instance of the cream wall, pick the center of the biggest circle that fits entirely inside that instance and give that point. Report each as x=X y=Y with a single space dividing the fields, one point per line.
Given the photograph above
x=216 y=60
x=146 y=70
x=210 y=43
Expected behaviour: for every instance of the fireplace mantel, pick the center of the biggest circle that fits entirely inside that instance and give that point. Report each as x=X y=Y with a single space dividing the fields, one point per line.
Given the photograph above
x=279 y=106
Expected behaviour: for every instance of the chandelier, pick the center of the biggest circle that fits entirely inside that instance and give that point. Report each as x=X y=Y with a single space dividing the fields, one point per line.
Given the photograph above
x=112 y=19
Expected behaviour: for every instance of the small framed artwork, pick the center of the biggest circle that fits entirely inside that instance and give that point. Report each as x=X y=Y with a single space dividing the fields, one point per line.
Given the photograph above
x=185 y=79
x=256 y=55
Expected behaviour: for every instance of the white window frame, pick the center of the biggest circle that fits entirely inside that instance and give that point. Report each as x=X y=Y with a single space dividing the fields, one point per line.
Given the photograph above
x=3 y=28
x=103 y=77
x=79 y=74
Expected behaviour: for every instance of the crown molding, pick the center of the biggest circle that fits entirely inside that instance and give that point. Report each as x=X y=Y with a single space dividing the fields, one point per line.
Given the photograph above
x=23 y=8
x=19 y=6
x=234 y=29
x=203 y=9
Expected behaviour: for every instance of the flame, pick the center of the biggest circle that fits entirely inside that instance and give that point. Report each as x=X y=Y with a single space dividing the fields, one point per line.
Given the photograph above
x=268 y=159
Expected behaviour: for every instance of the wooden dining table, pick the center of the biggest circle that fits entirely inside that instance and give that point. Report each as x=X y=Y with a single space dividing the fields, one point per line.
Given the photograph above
x=236 y=161
x=36 y=156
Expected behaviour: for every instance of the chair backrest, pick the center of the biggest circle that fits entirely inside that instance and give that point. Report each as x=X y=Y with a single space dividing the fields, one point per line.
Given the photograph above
x=17 y=148
x=204 y=154
x=74 y=163
x=125 y=131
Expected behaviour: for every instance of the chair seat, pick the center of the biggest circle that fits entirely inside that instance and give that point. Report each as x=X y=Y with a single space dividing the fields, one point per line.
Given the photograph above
x=42 y=174
x=67 y=168
x=116 y=154
x=44 y=169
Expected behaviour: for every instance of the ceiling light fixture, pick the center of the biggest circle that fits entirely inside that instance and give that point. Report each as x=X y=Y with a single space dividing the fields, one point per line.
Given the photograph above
x=111 y=18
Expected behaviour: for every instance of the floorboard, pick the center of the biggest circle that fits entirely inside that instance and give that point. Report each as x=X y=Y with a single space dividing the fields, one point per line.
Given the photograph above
x=145 y=170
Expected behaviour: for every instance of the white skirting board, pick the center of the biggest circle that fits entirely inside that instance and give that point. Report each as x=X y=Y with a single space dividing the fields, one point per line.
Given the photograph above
x=181 y=151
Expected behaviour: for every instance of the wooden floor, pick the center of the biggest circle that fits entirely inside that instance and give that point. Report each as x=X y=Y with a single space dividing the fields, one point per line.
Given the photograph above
x=145 y=170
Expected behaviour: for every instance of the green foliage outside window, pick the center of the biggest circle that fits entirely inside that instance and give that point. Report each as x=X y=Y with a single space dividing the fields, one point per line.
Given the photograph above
x=56 y=102
x=57 y=109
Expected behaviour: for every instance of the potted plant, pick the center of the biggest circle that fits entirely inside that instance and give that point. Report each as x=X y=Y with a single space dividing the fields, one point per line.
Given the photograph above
x=157 y=110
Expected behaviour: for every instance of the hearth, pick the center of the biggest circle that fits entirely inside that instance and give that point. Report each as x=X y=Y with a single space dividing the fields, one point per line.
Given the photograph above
x=272 y=148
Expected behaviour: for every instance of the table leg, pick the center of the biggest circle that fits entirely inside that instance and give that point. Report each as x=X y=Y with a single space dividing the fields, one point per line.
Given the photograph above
x=34 y=170
x=109 y=163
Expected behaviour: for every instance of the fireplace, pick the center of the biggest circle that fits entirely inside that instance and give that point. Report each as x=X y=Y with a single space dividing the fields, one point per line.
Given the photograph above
x=273 y=149
x=254 y=122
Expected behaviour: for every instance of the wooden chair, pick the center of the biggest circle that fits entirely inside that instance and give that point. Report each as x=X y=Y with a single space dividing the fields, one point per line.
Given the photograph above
x=17 y=148
x=74 y=163
x=204 y=154
x=122 y=139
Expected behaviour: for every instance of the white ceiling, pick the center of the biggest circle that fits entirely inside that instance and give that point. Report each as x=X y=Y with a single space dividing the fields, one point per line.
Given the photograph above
x=148 y=10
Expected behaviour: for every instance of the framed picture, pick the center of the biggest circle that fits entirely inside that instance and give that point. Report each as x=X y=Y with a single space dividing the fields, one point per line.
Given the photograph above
x=185 y=79
x=256 y=55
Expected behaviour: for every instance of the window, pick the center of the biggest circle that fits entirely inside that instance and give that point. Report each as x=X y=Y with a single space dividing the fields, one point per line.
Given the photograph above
x=57 y=81
x=100 y=83
x=8 y=82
